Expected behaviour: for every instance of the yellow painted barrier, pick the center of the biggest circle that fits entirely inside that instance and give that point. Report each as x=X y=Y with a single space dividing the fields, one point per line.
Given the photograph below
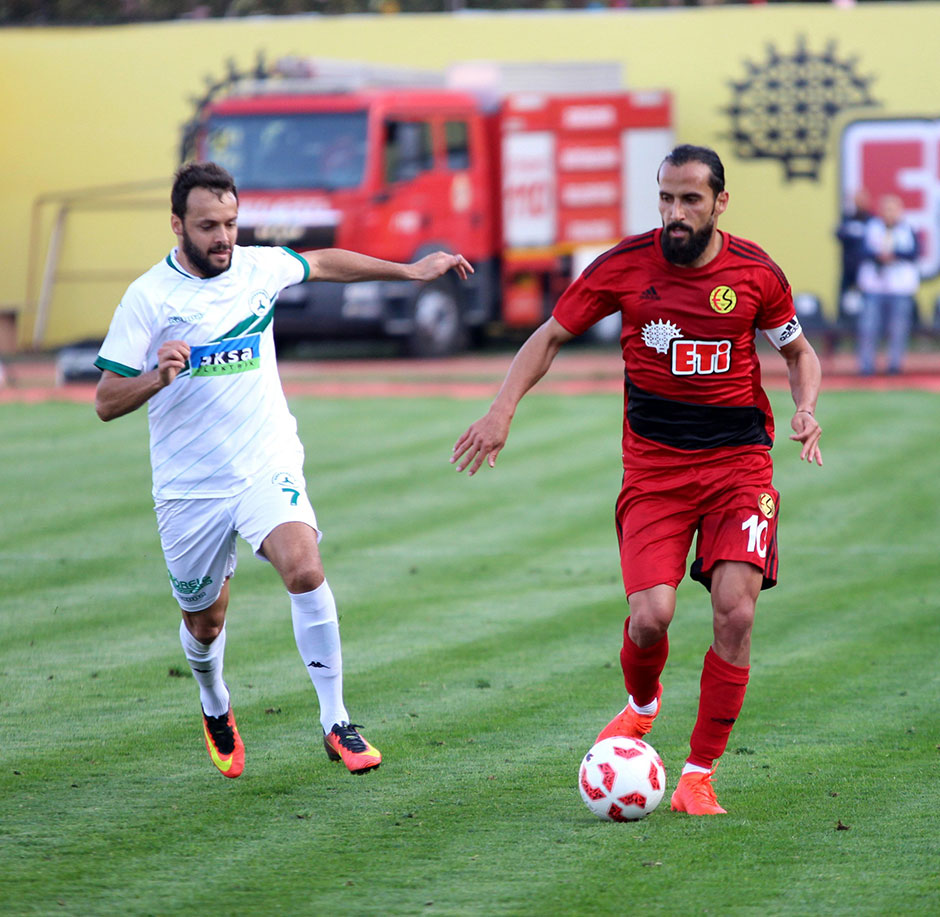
x=93 y=120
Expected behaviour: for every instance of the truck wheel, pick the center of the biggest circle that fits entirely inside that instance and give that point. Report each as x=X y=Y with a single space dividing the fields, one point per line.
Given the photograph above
x=438 y=329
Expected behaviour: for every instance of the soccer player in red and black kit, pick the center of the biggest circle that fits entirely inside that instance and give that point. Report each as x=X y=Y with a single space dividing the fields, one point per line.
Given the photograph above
x=697 y=433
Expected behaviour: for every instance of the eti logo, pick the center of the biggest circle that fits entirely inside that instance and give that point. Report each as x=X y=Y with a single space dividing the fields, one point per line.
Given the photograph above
x=700 y=358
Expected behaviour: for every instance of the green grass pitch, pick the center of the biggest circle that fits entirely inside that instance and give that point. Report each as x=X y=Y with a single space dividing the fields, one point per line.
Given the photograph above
x=481 y=623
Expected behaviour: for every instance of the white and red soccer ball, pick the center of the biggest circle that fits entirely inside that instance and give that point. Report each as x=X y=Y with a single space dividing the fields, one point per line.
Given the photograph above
x=622 y=779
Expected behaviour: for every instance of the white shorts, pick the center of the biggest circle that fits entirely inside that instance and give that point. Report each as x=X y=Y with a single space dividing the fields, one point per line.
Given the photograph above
x=198 y=535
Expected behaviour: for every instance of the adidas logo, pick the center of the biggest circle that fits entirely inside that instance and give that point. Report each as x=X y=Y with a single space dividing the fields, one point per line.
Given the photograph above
x=649 y=293
x=724 y=720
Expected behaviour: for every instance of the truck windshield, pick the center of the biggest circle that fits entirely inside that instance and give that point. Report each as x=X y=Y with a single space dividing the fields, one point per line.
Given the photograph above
x=325 y=150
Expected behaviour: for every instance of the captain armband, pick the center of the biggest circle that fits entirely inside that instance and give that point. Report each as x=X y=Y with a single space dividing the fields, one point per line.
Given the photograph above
x=784 y=334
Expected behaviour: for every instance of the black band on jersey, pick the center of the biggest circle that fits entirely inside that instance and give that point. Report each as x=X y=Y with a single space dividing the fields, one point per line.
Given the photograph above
x=693 y=426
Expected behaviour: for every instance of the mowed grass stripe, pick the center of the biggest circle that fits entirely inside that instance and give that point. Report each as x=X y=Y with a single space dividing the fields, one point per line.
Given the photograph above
x=481 y=625
x=383 y=483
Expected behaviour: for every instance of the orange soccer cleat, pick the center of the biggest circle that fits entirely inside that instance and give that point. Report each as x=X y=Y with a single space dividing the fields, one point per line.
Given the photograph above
x=630 y=723
x=695 y=795
x=344 y=743
x=223 y=743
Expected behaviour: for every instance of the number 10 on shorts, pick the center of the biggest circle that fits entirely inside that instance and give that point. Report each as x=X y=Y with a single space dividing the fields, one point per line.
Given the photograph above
x=756 y=529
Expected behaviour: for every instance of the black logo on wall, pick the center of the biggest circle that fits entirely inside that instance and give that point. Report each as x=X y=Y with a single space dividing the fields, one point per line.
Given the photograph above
x=217 y=88
x=785 y=106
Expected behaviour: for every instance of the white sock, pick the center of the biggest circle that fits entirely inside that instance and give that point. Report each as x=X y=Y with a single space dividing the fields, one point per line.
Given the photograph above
x=695 y=769
x=205 y=659
x=646 y=709
x=316 y=630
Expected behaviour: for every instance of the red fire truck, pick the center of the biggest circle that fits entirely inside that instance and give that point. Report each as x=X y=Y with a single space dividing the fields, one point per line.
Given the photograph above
x=528 y=182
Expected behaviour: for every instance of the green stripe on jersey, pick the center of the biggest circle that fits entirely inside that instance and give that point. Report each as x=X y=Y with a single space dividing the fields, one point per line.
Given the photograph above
x=250 y=325
x=169 y=261
x=241 y=328
x=265 y=321
x=253 y=324
x=118 y=368
x=302 y=260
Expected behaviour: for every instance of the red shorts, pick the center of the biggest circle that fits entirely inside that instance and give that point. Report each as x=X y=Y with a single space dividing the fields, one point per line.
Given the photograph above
x=731 y=506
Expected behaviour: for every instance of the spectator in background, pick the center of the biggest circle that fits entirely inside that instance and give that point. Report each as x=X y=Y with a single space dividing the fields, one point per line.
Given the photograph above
x=851 y=235
x=888 y=279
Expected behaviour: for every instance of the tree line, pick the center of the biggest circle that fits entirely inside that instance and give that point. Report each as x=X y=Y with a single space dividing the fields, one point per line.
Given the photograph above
x=115 y=12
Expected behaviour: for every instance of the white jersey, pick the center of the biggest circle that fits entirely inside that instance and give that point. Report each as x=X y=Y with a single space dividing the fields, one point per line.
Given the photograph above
x=899 y=277
x=224 y=418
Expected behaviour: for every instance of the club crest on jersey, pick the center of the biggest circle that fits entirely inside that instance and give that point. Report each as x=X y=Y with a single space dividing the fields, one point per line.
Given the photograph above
x=767 y=505
x=259 y=302
x=722 y=299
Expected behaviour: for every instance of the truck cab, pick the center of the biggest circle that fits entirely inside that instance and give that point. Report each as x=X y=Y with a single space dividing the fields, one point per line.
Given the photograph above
x=392 y=173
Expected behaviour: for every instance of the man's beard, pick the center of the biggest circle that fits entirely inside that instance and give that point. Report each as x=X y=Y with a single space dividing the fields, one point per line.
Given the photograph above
x=200 y=261
x=689 y=250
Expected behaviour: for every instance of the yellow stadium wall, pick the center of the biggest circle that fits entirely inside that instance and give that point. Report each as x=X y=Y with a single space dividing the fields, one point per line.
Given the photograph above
x=85 y=108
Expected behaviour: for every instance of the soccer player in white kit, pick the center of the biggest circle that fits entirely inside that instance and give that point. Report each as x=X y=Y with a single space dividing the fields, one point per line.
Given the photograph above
x=193 y=339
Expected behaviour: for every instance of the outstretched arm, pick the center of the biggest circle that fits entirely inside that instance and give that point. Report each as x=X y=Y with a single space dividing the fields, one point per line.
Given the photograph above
x=805 y=377
x=343 y=266
x=483 y=440
x=117 y=395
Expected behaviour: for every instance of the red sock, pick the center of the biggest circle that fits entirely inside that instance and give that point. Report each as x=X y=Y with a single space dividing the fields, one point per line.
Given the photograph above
x=722 y=695
x=642 y=667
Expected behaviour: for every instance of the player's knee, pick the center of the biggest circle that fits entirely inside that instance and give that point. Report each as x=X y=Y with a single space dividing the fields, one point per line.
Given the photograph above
x=303 y=577
x=204 y=629
x=734 y=621
x=207 y=624
x=650 y=617
x=647 y=632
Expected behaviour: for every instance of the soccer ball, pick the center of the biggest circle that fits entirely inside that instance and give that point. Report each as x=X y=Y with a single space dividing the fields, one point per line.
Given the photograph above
x=622 y=779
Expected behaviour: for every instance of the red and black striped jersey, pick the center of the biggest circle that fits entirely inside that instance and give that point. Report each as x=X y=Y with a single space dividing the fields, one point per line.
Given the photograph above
x=691 y=368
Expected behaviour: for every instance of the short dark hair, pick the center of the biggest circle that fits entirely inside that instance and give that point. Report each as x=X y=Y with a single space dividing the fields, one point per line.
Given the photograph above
x=199 y=175
x=703 y=154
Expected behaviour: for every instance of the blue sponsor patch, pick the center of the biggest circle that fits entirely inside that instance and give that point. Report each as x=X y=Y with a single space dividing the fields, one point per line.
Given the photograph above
x=223 y=358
